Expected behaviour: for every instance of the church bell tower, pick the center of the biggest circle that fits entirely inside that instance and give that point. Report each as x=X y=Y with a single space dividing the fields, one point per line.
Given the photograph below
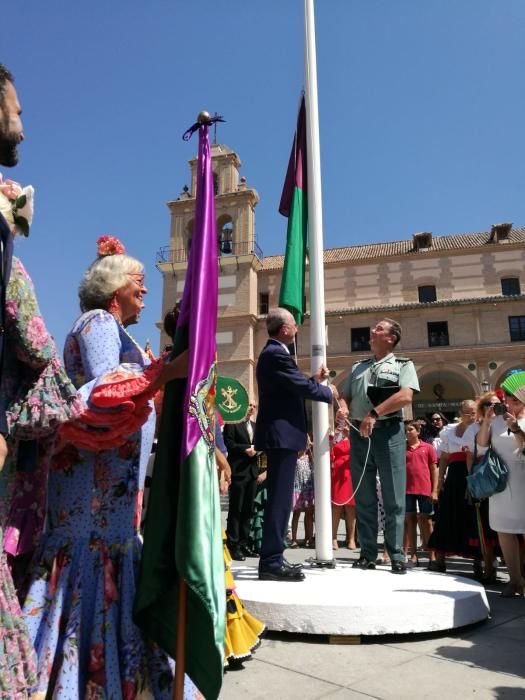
x=239 y=260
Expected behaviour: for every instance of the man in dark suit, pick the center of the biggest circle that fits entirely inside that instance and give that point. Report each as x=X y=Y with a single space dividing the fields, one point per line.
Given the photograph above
x=280 y=432
x=11 y=134
x=239 y=439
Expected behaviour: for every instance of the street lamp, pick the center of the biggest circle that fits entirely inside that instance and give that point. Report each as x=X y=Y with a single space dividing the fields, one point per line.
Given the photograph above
x=485 y=386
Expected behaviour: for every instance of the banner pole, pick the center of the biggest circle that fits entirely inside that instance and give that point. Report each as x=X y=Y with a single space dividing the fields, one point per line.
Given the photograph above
x=180 y=659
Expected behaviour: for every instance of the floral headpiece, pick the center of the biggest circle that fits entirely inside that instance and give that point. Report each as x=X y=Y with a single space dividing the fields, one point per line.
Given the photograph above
x=109 y=245
x=16 y=205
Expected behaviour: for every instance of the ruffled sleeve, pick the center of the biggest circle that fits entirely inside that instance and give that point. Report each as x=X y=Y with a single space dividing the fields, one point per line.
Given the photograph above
x=118 y=394
x=44 y=397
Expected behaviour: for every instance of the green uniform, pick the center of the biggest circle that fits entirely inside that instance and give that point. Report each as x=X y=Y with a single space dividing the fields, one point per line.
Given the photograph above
x=370 y=383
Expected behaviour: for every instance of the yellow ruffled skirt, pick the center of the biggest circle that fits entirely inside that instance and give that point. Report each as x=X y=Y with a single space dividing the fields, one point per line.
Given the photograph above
x=243 y=631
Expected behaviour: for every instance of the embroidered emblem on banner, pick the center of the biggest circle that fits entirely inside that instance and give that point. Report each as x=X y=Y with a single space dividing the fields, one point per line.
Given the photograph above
x=202 y=406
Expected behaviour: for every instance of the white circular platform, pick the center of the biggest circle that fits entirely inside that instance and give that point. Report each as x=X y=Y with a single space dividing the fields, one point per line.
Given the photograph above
x=346 y=601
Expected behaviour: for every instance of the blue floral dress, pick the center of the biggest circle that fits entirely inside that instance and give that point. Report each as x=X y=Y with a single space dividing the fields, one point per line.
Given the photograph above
x=79 y=606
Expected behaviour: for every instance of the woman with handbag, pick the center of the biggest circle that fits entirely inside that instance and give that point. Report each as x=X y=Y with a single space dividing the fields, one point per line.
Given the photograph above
x=487 y=538
x=505 y=434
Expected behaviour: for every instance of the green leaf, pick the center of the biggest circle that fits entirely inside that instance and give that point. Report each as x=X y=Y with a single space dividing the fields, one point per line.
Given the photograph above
x=22 y=225
x=21 y=202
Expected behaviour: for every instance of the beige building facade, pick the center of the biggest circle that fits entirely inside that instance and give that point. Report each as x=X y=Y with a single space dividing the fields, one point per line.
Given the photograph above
x=459 y=298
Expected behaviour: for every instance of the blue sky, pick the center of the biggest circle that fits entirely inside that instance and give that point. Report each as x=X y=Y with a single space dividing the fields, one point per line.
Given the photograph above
x=421 y=113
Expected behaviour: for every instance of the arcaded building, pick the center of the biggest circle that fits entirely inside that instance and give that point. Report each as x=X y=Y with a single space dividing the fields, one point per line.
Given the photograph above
x=459 y=297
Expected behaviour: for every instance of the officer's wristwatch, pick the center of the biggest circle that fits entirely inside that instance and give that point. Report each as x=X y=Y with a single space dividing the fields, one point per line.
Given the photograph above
x=373 y=413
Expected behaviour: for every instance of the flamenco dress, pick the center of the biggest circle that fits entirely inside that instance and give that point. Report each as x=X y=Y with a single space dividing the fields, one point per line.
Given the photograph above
x=79 y=605
x=243 y=630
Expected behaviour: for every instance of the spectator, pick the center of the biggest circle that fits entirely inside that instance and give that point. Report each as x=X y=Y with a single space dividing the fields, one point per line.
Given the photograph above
x=303 y=496
x=506 y=434
x=343 y=501
x=422 y=479
x=456 y=518
x=487 y=538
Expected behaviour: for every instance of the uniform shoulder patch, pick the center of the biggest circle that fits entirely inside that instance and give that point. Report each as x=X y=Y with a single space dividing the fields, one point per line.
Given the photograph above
x=403 y=359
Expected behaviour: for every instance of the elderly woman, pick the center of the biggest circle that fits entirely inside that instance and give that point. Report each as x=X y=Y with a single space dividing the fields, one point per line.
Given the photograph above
x=456 y=518
x=506 y=435
x=79 y=606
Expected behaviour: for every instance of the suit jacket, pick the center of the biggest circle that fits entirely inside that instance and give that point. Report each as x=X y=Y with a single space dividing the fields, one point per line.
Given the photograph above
x=281 y=421
x=6 y=255
x=237 y=441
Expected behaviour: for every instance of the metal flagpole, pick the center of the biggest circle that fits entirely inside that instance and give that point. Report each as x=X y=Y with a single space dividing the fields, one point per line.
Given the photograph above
x=323 y=509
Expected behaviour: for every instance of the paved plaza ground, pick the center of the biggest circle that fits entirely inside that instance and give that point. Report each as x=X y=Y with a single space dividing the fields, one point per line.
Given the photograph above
x=482 y=661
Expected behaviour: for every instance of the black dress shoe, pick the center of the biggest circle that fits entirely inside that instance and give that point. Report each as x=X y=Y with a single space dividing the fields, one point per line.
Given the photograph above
x=363 y=563
x=288 y=565
x=281 y=574
x=399 y=567
x=237 y=554
x=247 y=551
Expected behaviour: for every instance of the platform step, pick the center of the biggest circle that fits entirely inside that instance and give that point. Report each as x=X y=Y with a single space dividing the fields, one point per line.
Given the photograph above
x=344 y=639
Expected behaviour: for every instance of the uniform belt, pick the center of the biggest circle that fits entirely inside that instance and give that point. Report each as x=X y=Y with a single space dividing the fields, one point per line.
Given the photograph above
x=382 y=422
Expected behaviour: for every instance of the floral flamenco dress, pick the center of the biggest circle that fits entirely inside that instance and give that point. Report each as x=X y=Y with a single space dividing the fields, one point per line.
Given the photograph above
x=79 y=605
x=37 y=396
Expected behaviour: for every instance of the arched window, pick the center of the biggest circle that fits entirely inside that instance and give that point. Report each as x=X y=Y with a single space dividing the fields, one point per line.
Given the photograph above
x=225 y=235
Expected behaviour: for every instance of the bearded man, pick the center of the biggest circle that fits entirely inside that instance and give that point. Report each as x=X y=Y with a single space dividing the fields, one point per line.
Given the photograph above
x=11 y=134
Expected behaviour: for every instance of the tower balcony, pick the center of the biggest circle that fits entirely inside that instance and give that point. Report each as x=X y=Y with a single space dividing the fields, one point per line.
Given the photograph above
x=227 y=249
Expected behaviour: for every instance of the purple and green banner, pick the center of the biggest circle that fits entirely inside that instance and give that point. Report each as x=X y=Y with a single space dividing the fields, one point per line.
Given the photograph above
x=182 y=536
x=294 y=205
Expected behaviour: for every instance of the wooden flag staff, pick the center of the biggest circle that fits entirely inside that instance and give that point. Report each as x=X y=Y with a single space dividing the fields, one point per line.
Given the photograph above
x=180 y=659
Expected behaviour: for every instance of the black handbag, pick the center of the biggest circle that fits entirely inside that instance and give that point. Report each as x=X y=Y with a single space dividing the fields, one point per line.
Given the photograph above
x=489 y=475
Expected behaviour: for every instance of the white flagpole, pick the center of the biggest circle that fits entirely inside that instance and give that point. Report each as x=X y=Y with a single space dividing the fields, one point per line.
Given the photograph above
x=323 y=508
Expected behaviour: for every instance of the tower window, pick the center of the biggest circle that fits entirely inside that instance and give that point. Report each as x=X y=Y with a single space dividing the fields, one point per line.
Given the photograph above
x=510 y=286
x=226 y=239
x=427 y=294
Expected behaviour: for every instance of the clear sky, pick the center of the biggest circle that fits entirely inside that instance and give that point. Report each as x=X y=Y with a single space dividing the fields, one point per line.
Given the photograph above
x=421 y=110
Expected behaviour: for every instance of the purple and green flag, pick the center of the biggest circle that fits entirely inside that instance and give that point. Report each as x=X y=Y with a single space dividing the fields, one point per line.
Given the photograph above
x=183 y=536
x=294 y=205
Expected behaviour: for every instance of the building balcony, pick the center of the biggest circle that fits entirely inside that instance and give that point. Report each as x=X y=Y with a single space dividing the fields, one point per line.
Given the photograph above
x=226 y=248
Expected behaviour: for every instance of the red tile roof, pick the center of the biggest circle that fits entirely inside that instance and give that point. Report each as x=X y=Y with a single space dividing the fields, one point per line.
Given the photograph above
x=462 y=241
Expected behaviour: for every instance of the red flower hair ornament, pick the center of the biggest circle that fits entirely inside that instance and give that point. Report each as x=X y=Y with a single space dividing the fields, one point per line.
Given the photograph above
x=109 y=245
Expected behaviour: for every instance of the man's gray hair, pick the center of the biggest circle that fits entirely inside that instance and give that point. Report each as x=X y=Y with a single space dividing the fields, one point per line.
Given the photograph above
x=104 y=277
x=275 y=320
x=395 y=329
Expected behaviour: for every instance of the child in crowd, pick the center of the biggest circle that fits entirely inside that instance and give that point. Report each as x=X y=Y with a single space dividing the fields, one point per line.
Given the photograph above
x=343 y=501
x=421 y=490
x=303 y=497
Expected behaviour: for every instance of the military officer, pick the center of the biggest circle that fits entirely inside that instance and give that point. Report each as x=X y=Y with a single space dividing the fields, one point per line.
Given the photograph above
x=374 y=395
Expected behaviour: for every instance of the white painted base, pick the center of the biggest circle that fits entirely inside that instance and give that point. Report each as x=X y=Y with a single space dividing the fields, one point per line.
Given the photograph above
x=350 y=601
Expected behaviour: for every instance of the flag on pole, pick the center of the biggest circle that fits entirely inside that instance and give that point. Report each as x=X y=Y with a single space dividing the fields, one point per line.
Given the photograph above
x=294 y=205
x=182 y=536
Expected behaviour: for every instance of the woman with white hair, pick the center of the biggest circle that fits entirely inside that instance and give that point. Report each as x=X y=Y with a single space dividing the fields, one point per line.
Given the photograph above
x=79 y=606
